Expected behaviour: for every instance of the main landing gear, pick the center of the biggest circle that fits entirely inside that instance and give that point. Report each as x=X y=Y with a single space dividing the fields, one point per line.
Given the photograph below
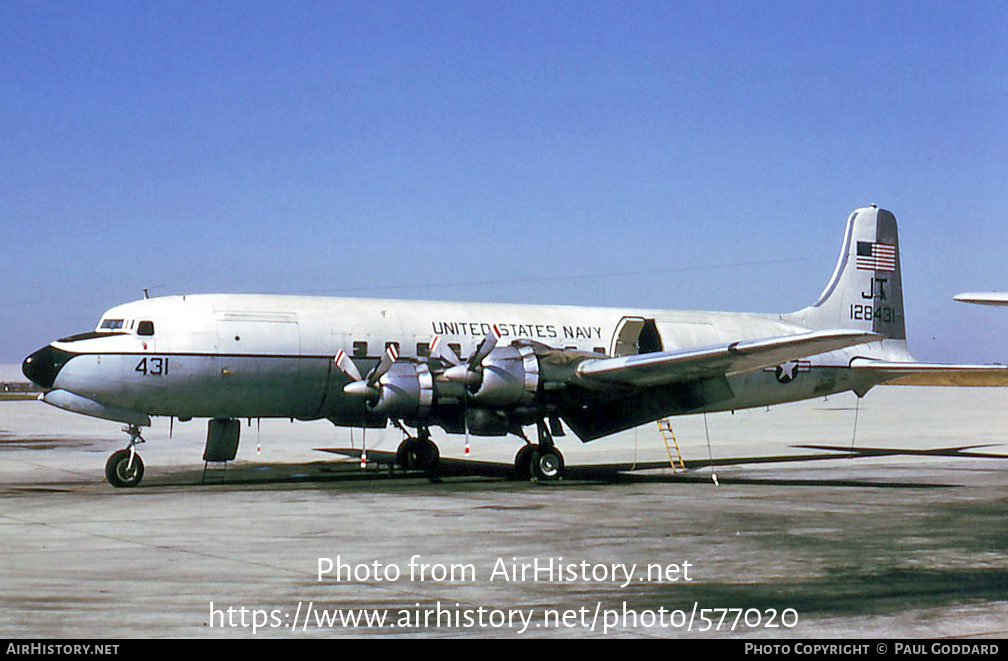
x=124 y=468
x=420 y=453
x=542 y=462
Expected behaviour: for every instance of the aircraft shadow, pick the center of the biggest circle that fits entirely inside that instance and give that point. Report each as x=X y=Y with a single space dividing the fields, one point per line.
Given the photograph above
x=480 y=472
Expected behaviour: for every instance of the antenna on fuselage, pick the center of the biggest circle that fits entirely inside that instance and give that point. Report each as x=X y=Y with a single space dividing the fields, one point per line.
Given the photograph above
x=146 y=294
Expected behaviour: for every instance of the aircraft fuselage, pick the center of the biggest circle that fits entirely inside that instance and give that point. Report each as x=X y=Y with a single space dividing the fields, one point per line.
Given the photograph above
x=238 y=356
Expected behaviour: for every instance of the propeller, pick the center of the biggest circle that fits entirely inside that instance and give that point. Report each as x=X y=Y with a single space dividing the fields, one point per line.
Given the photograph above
x=439 y=349
x=390 y=356
x=366 y=386
x=485 y=347
x=468 y=373
x=347 y=365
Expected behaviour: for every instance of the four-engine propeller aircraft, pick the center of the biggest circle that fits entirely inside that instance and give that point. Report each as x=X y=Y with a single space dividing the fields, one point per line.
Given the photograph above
x=491 y=369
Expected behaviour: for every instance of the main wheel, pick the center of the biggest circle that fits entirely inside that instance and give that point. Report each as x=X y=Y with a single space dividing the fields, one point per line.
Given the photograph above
x=408 y=455
x=431 y=461
x=523 y=462
x=548 y=465
x=416 y=454
x=119 y=471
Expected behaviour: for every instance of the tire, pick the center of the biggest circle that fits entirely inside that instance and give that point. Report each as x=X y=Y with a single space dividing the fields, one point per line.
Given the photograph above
x=523 y=462
x=431 y=461
x=430 y=457
x=416 y=454
x=118 y=474
x=407 y=454
x=548 y=465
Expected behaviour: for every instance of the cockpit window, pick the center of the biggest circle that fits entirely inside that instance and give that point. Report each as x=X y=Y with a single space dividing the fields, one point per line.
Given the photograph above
x=145 y=328
x=111 y=324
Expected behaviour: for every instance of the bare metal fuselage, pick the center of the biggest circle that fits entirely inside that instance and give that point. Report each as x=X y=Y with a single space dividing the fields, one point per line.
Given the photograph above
x=237 y=356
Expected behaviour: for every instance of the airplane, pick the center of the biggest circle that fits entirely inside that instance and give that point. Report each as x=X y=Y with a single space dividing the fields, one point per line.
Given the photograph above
x=483 y=369
x=983 y=298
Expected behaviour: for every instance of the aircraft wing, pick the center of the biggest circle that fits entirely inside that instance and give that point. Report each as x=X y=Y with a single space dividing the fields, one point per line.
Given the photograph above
x=984 y=298
x=933 y=374
x=667 y=367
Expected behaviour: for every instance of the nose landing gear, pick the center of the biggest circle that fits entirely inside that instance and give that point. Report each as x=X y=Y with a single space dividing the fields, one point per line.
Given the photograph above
x=125 y=468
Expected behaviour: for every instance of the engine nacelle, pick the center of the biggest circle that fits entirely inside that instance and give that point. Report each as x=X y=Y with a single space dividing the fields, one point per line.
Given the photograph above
x=405 y=390
x=510 y=376
x=486 y=422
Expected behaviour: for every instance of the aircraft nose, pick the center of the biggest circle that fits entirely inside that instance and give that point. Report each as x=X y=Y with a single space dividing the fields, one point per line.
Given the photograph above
x=41 y=367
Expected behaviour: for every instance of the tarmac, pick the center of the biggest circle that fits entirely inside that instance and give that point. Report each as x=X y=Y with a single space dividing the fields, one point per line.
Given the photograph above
x=894 y=545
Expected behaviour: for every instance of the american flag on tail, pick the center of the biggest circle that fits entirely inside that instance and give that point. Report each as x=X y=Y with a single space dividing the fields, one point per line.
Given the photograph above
x=876 y=256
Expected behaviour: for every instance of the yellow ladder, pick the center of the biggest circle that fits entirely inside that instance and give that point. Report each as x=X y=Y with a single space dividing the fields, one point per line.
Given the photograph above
x=665 y=429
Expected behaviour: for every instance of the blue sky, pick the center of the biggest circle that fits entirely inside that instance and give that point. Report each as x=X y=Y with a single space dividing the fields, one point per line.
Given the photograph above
x=699 y=155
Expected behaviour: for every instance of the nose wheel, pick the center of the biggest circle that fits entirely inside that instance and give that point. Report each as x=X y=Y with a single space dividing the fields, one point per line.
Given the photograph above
x=125 y=468
x=122 y=470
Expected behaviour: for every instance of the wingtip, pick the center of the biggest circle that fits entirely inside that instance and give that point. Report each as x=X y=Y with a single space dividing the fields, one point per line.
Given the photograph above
x=983 y=298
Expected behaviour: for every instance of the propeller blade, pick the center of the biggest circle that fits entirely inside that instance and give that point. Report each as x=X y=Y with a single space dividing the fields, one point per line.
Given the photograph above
x=439 y=349
x=347 y=365
x=485 y=347
x=390 y=356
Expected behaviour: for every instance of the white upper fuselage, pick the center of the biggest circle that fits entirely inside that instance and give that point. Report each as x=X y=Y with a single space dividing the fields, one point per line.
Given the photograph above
x=203 y=324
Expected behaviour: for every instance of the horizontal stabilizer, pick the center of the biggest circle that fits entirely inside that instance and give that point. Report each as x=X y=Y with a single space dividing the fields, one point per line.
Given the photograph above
x=933 y=374
x=666 y=367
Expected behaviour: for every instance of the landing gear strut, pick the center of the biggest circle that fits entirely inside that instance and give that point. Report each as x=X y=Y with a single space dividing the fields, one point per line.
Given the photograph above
x=542 y=462
x=420 y=453
x=124 y=468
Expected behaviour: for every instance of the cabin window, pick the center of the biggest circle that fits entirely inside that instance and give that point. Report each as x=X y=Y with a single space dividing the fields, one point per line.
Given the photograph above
x=145 y=328
x=422 y=349
x=600 y=350
x=112 y=324
x=392 y=344
x=359 y=349
x=456 y=347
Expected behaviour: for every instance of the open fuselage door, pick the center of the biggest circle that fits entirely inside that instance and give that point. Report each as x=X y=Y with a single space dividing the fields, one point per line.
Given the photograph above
x=634 y=335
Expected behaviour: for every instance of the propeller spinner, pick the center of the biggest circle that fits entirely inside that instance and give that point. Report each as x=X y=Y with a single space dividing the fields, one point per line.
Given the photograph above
x=468 y=373
x=366 y=387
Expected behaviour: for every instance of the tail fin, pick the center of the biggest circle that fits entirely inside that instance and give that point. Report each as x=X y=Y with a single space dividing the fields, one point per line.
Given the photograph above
x=866 y=289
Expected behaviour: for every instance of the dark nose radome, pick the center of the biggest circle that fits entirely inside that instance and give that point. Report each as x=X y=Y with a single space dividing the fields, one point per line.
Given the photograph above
x=42 y=366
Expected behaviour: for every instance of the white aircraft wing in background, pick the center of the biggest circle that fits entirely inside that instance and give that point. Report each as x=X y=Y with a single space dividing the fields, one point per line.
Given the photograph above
x=984 y=298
